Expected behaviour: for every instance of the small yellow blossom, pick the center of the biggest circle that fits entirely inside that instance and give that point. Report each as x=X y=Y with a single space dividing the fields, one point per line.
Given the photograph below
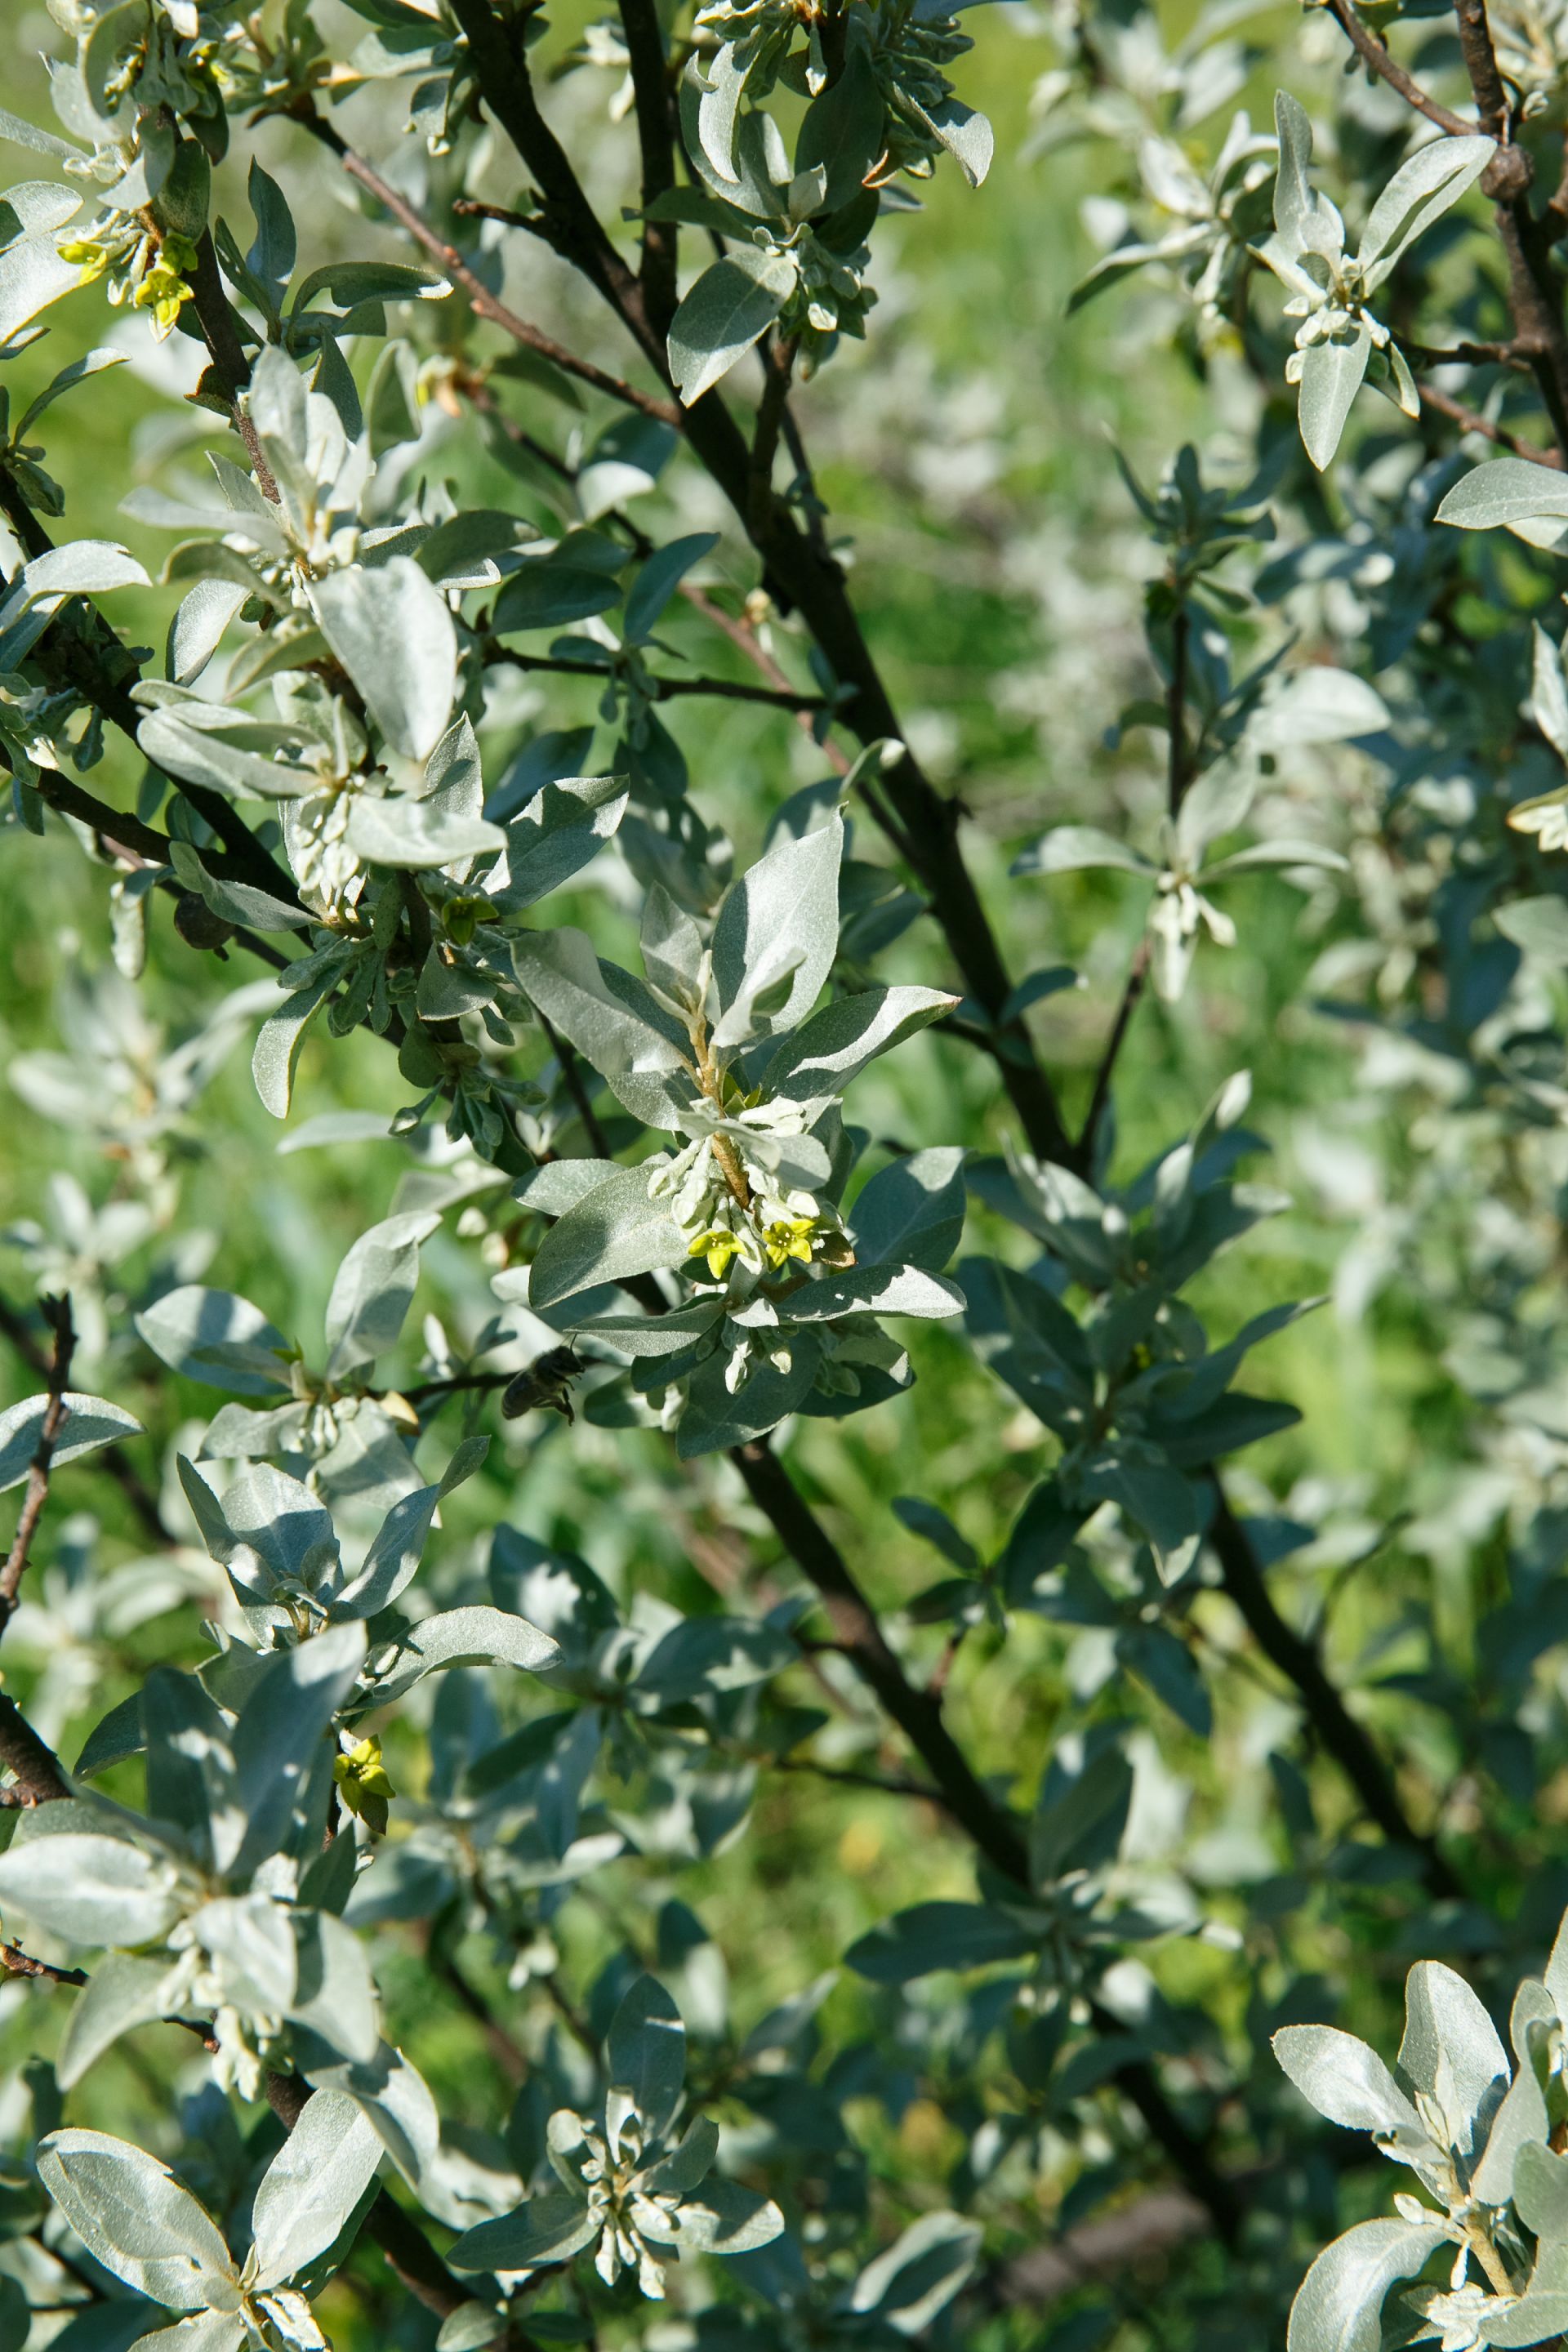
x=90 y=256
x=362 y=1779
x=718 y=1247
x=789 y=1237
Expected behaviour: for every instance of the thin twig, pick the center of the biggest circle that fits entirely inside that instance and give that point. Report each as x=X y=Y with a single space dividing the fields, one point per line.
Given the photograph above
x=57 y=1314
x=1374 y=54
x=664 y=689
x=484 y=304
x=1469 y=420
x=111 y=1459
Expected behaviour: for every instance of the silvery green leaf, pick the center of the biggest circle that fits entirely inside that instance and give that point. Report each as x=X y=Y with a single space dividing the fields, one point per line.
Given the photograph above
x=203 y=2331
x=90 y=1422
x=412 y=834
x=1260 y=854
x=614 y=1230
x=1332 y=375
x=199 y=752
x=474 y=1636
x=190 y=1764
x=550 y=2229
x=561 y=974
x=1528 y=499
x=1451 y=2052
x=312 y=2185
x=876 y=1291
x=559 y=1184
x=722 y=2218
x=374 y=1289
x=1540 y=2191
x=32 y=275
x=1294 y=200
x=280 y=1729
x=932 y=1935
x=920 y=2273
x=655 y=1335
x=776 y=936
x=276 y=1054
x=1535 y=2318
x=911 y=1213
x=395 y=2101
x=966 y=135
x=717 y=1416
x=1521 y=2121
x=82 y=567
x=473 y=2327
x=89 y=1888
x=672 y=950
x=196 y=630
x=238 y=902
x=835 y=1044
x=555 y=834
x=1549 y=693
x=731 y=306
x=121 y=1993
x=347 y=284
x=268 y=1530
x=1339 y=2306
x=1420 y=192
x=133 y=2217
x=1214 y=805
x=549 y=591
x=658 y=578
x=393 y=633
x=216 y=1336
x=43 y=142
x=392 y=1559
x=1346 y=2080
x=646 y=2052
x=712 y=1653
x=1316 y=704
x=680 y=2171
x=1078 y=848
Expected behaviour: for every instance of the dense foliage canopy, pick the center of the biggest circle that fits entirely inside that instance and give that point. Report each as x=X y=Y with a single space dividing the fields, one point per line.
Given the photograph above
x=700 y=1648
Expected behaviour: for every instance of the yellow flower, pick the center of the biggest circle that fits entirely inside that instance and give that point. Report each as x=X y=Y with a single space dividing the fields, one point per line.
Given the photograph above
x=363 y=1781
x=790 y=1237
x=718 y=1247
x=91 y=258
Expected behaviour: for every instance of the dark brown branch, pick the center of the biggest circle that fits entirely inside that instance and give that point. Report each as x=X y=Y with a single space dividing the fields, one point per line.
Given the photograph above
x=57 y=1314
x=656 y=141
x=778 y=366
x=1336 y=1728
x=18 y=1963
x=37 y=1777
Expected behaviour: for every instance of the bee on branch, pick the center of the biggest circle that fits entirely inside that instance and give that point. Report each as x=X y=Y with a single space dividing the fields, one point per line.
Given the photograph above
x=545 y=1382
